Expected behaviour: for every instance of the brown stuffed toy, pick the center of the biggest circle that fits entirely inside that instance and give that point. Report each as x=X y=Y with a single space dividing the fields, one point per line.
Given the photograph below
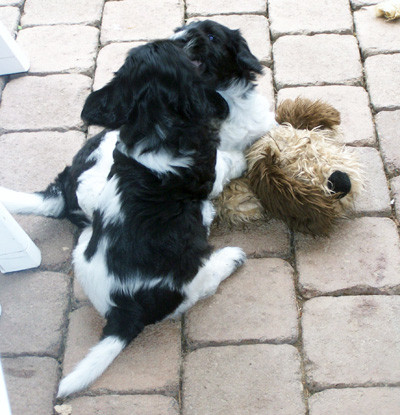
x=298 y=172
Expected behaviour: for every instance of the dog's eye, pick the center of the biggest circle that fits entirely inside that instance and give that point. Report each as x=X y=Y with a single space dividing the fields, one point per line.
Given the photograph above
x=211 y=37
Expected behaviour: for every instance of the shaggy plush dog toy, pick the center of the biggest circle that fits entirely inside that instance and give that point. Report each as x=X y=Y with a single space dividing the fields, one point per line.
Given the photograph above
x=298 y=172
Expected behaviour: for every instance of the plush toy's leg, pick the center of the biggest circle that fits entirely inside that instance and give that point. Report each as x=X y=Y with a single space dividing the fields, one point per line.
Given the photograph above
x=389 y=9
x=229 y=165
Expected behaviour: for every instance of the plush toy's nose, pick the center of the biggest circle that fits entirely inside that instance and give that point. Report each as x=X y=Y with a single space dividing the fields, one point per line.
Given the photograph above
x=339 y=182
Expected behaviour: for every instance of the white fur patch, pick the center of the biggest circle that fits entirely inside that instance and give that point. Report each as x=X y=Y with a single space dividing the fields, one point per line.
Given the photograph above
x=208 y=212
x=229 y=166
x=92 y=366
x=110 y=203
x=249 y=117
x=31 y=203
x=93 y=180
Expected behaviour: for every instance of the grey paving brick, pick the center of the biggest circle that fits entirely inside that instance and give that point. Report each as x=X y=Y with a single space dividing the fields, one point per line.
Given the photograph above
x=44 y=153
x=11 y=2
x=33 y=316
x=60 y=48
x=356 y=4
x=253 y=379
x=255 y=30
x=360 y=401
x=31 y=384
x=265 y=85
x=256 y=303
x=383 y=81
x=375 y=199
x=137 y=20
x=257 y=240
x=395 y=185
x=361 y=256
x=388 y=127
x=10 y=16
x=353 y=104
x=61 y=98
x=125 y=405
x=351 y=341
x=55 y=239
x=316 y=60
x=205 y=8
x=150 y=363
x=309 y=17
x=45 y=12
x=375 y=35
x=109 y=60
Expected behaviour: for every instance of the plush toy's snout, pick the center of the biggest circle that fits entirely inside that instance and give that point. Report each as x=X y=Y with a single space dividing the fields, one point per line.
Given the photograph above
x=339 y=183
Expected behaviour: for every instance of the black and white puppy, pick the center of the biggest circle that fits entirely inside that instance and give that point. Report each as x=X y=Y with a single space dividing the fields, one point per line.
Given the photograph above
x=225 y=63
x=224 y=60
x=145 y=255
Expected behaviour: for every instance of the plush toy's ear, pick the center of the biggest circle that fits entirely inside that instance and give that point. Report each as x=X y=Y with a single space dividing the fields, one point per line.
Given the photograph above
x=245 y=59
x=109 y=107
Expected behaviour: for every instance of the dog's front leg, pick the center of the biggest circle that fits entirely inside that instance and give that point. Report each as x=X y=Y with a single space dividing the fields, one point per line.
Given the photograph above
x=229 y=166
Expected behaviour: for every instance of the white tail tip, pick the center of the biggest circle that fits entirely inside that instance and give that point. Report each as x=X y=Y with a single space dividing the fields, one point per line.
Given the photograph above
x=92 y=366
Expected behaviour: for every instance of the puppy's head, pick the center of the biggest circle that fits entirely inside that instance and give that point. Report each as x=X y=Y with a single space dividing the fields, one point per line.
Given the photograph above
x=220 y=54
x=156 y=83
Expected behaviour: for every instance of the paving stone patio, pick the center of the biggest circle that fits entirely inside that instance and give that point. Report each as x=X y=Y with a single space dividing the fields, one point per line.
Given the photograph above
x=309 y=326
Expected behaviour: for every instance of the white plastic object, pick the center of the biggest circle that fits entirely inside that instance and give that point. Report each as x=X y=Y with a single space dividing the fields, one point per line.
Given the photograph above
x=12 y=57
x=17 y=251
x=4 y=402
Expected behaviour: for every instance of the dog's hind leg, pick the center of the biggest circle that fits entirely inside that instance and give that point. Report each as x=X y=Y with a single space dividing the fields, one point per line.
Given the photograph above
x=220 y=266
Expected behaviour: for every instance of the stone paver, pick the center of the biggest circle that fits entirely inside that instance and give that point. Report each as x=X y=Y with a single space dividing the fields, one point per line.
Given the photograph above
x=353 y=104
x=31 y=384
x=61 y=98
x=33 y=317
x=32 y=147
x=376 y=35
x=309 y=17
x=137 y=20
x=257 y=240
x=375 y=198
x=356 y=4
x=361 y=256
x=383 y=81
x=395 y=185
x=388 y=127
x=351 y=341
x=109 y=60
x=77 y=54
x=316 y=60
x=255 y=30
x=9 y=16
x=125 y=405
x=265 y=86
x=360 y=401
x=11 y=2
x=205 y=8
x=256 y=303
x=253 y=379
x=45 y=12
x=150 y=363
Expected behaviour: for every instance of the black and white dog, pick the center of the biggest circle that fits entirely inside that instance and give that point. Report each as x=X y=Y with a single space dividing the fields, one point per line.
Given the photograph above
x=141 y=190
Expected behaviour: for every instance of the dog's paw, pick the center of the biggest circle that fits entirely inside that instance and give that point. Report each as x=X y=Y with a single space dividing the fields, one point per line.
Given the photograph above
x=232 y=257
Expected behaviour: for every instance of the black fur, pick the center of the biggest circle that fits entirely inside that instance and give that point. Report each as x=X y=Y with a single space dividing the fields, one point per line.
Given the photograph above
x=221 y=54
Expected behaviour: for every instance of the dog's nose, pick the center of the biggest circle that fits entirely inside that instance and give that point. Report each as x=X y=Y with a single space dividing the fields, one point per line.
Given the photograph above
x=339 y=182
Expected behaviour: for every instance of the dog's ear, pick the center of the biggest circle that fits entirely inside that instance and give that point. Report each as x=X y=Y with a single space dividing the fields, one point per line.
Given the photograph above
x=219 y=107
x=246 y=61
x=109 y=106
